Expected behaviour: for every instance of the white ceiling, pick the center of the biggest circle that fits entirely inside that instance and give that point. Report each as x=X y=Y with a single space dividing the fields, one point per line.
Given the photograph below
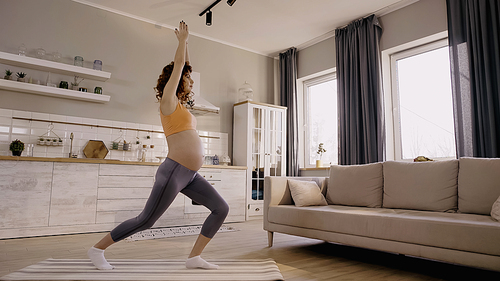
x=265 y=27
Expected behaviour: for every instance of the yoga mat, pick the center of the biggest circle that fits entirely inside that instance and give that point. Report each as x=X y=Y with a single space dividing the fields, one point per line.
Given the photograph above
x=145 y=270
x=157 y=233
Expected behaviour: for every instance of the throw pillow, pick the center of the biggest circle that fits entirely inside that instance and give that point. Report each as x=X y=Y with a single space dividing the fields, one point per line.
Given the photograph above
x=356 y=185
x=428 y=186
x=478 y=184
x=306 y=193
x=495 y=210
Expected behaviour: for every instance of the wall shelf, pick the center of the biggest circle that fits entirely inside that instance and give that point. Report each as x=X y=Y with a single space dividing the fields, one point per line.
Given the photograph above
x=55 y=67
x=52 y=91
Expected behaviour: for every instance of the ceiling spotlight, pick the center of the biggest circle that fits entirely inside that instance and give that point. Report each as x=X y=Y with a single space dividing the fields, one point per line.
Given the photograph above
x=209 y=13
x=209 y=18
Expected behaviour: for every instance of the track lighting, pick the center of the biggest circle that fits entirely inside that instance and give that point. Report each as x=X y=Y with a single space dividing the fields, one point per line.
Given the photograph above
x=209 y=13
x=209 y=18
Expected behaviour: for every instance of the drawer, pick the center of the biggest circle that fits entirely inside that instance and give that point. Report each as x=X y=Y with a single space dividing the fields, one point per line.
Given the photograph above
x=211 y=175
x=255 y=209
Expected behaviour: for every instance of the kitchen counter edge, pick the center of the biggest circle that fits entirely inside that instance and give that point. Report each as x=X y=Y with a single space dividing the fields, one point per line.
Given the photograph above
x=104 y=161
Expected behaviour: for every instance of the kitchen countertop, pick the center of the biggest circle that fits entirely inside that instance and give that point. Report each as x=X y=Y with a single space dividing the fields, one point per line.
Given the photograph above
x=105 y=161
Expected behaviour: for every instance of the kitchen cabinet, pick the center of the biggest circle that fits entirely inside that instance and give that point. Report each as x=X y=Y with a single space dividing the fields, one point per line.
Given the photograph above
x=62 y=196
x=122 y=191
x=231 y=185
x=54 y=67
x=74 y=193
x=25 y=189
x=259 y=142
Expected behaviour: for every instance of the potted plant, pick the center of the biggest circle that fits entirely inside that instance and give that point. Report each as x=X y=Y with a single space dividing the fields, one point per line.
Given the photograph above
x=76 y=82
x=21 y=76
x=320 y=151
x=8 y=73
x=16 y=147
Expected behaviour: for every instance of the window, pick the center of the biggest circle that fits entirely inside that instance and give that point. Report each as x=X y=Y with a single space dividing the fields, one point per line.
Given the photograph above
x=422 y=102
x=321 y=120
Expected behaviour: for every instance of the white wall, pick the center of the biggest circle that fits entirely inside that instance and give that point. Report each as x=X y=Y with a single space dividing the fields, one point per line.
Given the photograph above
x=134 y=52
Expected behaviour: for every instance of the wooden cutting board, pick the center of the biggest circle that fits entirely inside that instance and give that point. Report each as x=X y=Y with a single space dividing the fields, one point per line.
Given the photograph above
x=95 y=149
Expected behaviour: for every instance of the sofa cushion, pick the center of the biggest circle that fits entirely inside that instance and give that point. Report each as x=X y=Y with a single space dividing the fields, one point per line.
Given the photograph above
x=467 y=232
x=495 y=210
x=306 y=193
x=478 y=184
x=356 y=185
x=430 y=186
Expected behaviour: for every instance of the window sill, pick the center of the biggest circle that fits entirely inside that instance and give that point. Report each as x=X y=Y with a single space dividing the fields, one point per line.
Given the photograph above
x=315 y=169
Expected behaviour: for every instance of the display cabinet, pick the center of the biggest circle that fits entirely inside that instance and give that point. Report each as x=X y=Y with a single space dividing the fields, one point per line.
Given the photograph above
x=259 y=142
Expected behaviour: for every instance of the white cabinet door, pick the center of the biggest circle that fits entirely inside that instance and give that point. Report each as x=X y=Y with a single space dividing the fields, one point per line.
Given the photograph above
x=232 y=189
x=25 y=194
x=74 y=194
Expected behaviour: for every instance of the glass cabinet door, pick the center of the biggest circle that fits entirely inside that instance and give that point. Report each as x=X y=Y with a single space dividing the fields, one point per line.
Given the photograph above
x=258 y=151
x=275 y=142
x=267 y=147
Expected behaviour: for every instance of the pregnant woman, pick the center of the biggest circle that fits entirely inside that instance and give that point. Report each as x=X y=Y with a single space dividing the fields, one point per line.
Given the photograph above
x=178 y=173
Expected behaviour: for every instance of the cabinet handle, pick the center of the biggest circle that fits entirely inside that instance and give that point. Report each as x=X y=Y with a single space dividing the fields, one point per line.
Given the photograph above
x=212 y=183
x=257 y=209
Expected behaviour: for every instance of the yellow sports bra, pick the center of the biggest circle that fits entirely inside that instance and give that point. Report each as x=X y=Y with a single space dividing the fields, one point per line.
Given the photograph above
x=180 y=120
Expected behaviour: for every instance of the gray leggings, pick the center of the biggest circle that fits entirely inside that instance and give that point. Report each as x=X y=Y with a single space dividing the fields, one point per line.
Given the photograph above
x=172 y=178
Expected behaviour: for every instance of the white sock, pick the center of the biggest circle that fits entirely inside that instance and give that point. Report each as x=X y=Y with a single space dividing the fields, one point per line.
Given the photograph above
x=97 y=257
x=198 y=262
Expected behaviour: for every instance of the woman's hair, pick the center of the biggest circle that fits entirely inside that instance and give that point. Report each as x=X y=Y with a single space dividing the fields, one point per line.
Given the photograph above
x=165 y=76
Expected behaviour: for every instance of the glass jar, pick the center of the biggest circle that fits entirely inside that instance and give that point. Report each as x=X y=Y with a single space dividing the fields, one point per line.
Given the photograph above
x=57 y=56
x=29 y=150
x=98 y=65
x=63 y=84
x=78 y=61
x=40 y=53
x=22 y=50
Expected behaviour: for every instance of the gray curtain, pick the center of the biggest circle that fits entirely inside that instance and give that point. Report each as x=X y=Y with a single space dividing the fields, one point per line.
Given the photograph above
x=360 y=96
x=474 y=41
x=288 y=97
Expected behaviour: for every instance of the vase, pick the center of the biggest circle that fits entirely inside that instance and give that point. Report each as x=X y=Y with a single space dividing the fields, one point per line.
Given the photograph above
x=21 y=79
x=319 y=164
x=17 y=152
x=6 y=77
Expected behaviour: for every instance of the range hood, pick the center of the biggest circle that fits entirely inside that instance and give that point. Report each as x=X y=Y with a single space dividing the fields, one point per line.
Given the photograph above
x=201 y=105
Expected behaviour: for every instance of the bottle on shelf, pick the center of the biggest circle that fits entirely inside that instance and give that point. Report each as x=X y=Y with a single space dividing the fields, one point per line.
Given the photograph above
x=144 y=152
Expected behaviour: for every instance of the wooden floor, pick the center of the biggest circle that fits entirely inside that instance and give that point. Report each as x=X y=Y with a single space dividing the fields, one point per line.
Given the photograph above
x=298 y=258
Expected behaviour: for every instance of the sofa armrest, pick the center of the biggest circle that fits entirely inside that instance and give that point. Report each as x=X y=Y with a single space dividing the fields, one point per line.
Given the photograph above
x=277 y=192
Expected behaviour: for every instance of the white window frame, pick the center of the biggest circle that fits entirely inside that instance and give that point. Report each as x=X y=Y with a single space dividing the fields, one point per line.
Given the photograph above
x=305 y=100
x=394 y=122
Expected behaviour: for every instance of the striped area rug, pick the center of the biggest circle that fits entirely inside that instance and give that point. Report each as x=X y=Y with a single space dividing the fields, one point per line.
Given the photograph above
x=145 y=270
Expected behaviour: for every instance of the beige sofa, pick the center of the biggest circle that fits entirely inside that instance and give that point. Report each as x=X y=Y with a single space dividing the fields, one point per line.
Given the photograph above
x=437 y=210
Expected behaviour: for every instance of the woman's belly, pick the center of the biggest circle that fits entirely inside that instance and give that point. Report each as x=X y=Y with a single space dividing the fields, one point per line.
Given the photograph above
x=186 y=149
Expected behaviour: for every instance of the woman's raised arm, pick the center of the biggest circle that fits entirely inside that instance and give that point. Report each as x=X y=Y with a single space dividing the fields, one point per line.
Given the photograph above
x=169 y=98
